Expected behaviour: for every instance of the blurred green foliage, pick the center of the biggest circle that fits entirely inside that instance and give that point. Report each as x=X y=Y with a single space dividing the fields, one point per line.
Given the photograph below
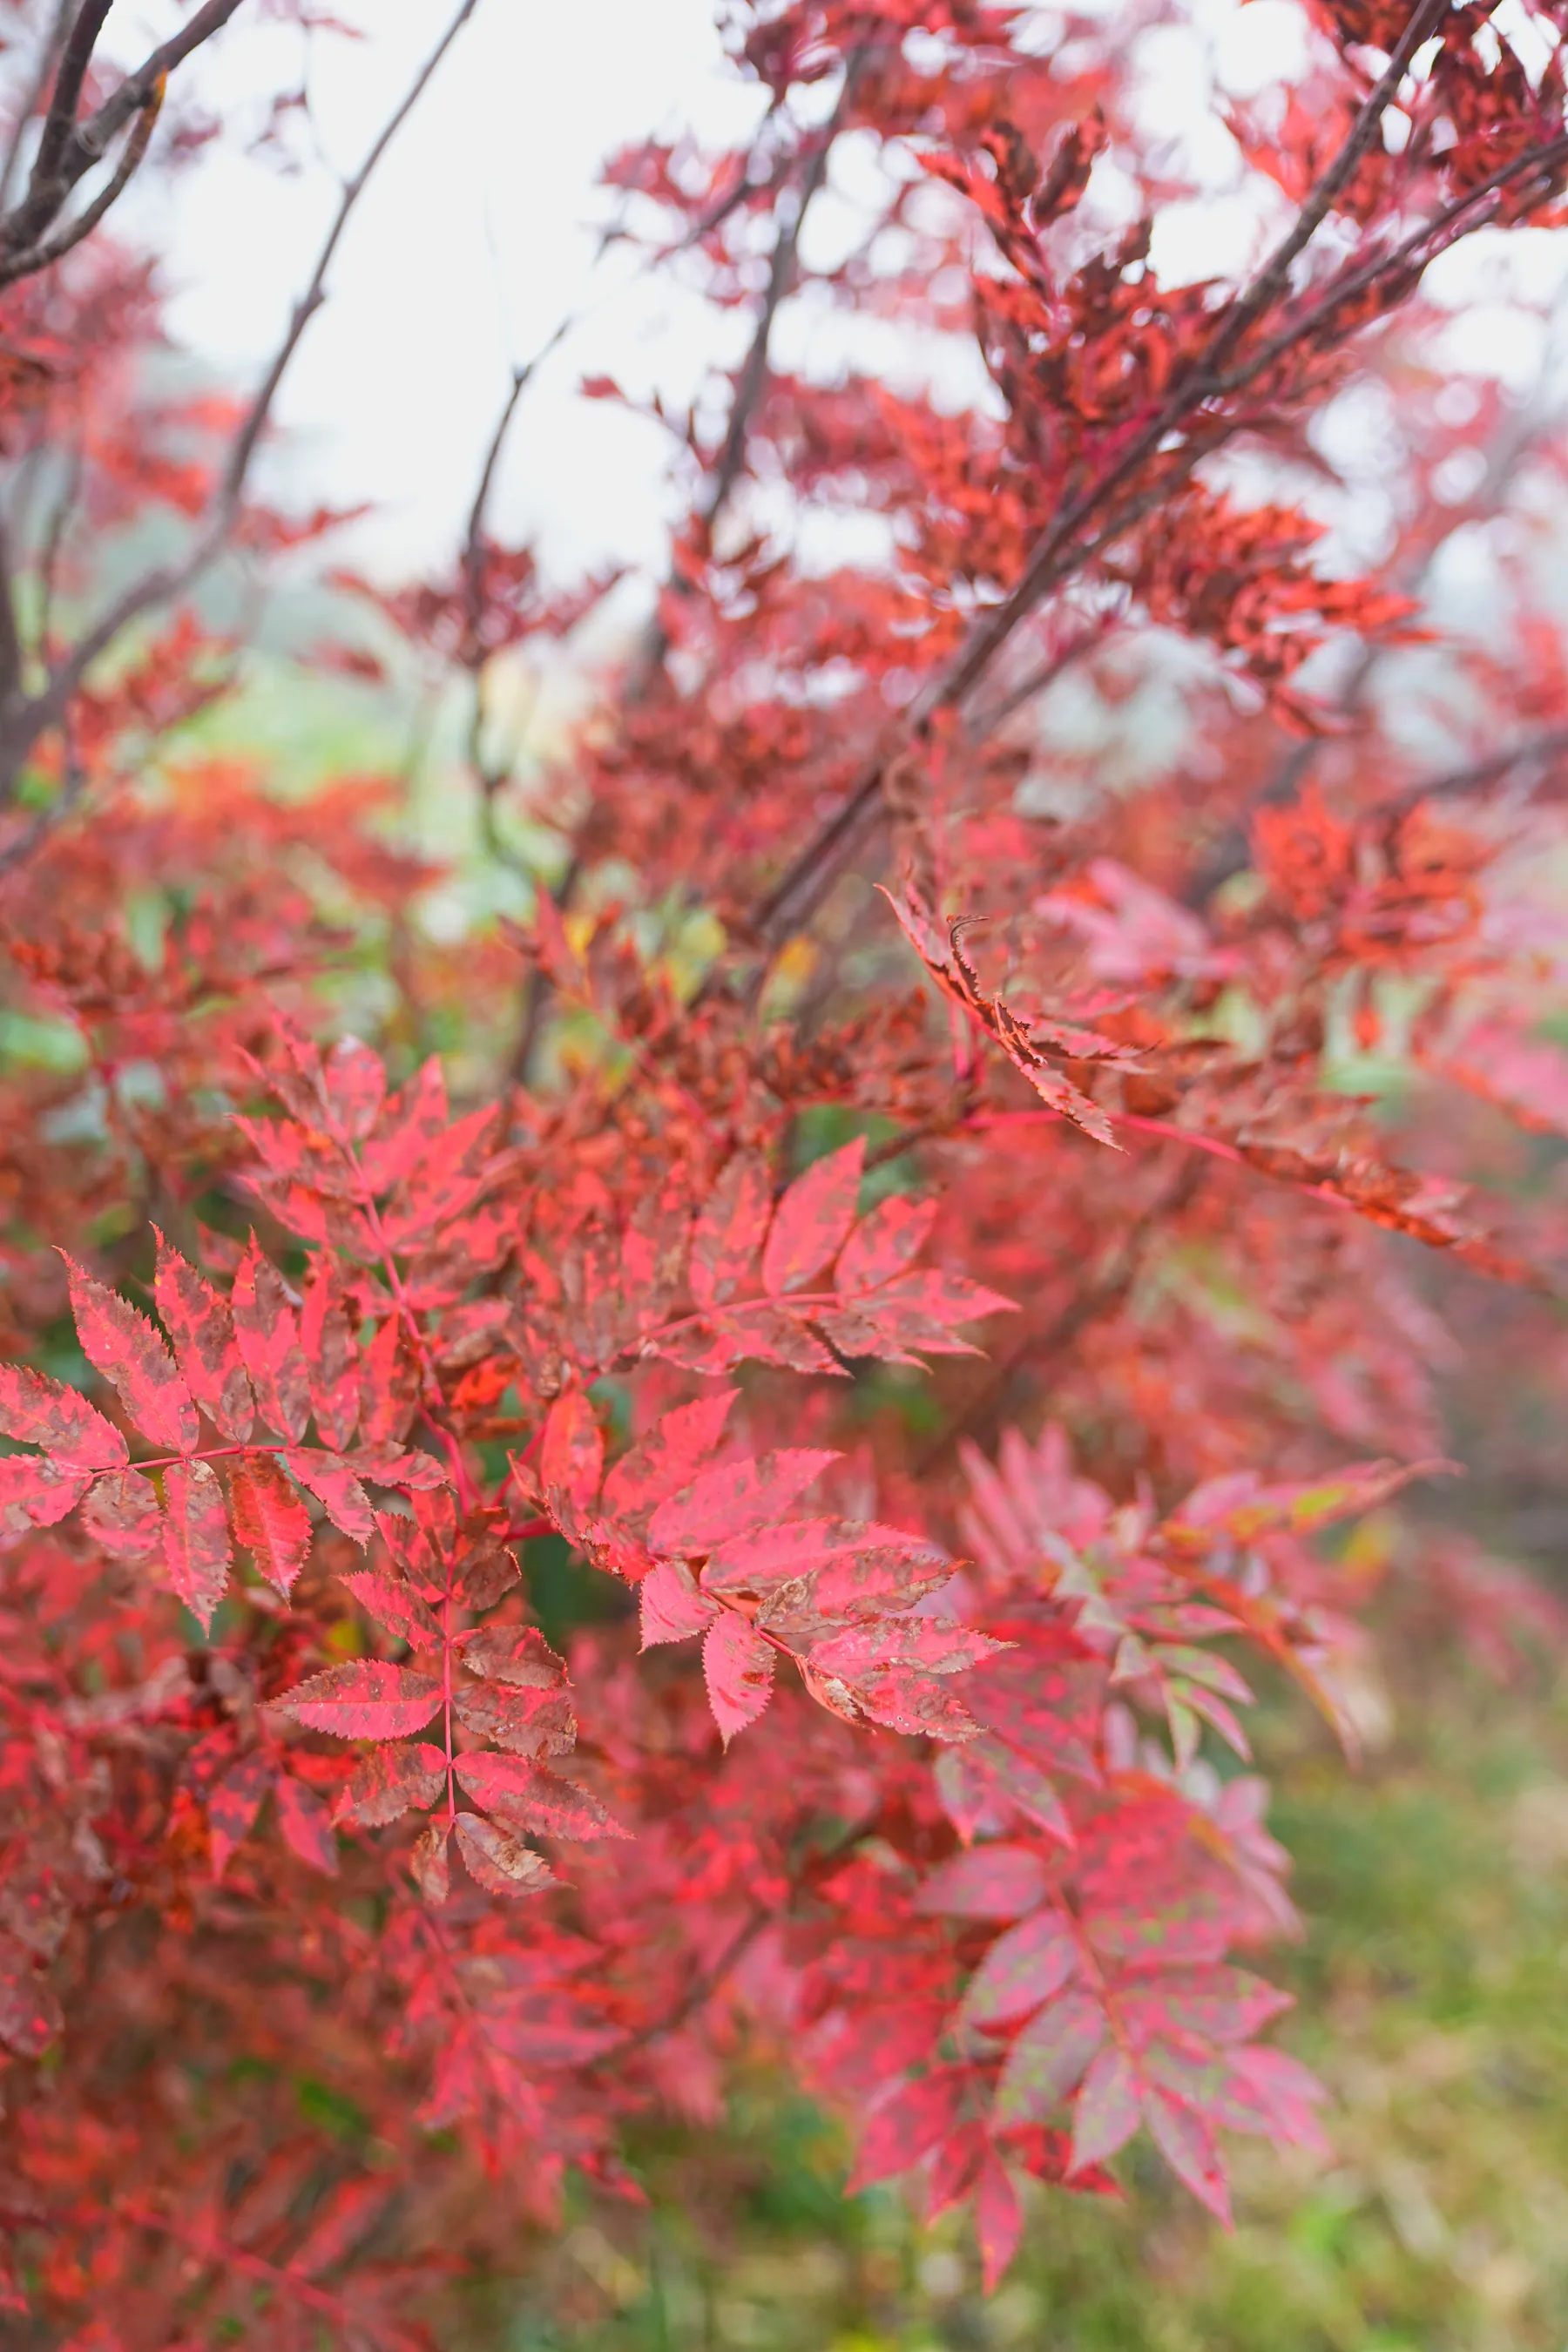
x=1433 y=1989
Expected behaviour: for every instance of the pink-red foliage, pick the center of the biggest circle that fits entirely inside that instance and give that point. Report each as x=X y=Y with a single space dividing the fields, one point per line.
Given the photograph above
x=937 y=1326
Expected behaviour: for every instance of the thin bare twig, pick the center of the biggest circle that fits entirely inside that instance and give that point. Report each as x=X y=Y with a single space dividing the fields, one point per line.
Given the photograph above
x=67 y=150
x=51 y=249
x=752 y=379
x=32 y=97
x=27 y=719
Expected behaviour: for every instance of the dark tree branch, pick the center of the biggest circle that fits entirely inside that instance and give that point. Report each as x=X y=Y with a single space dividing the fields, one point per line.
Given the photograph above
x=32 y=97
x=53 y=248
x=69 y=150
x=752 y=381
x=26 y=719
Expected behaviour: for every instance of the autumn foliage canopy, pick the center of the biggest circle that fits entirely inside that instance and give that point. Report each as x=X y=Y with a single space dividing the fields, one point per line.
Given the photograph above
x=702 y=1473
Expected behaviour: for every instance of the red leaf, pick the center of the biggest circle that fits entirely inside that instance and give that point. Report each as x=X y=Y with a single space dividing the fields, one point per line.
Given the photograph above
x=498 y=1862
x=1022 y=1969
x=1048 y=2058
x=121 y=1513
x=729 y=1231
x=354 y=1083
x=516 y=1655
x=336 y=1489
x=528 y=1722
x=648 y=1473
x=530 y=1799
x=672 y=1607
x=195 y=1538
x=202 y=1329
x=1187 y=2145
x=998 y=2221
x=268 y=1331
x=572 y=1456
x=812 y=1218
x=396 y=1606
x=233 y=1804
x=883 y=1243
x=367 y=1700
x=36 y=1492
x=124 y=1346
x=270 y=1520
x=387 y=1782
x=410 y=1122
x=1106 y=2111
x=306 y=1825
x=331 y=1356
x=388 y=1387
x=738 y=1667
x=732 y=1499
x=45 y=1413
x=992 y=1882
x=908 y=2126
x=428 y=1863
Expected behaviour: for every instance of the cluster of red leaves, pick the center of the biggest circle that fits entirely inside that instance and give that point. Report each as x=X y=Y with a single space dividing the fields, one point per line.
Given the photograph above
x=501 y=1610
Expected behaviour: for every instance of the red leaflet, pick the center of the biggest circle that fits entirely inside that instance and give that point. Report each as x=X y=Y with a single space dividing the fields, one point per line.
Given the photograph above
x=572 y=1456
x=528 y=1798
x=528 y=1722
x=732 y=1499
x=369 y=1700
x=738 y=1667
x=883 y=1243
x=268 y=1332
x=388 y=1387
x=44 y=1413
x=306 y=1824
x=729 y=1231
x=812 y=1218
x=410 y=1122
x=202 y=1329
x=270 y=1520
x=126 y=1349
x=195 y=1536
x=665 y=1460
x=671 y=1606
x=993 y=1882
x=388 y=1780
x=429 y=1862
x=999 y=2219
x=910 y=2124
x=336 y=1489
x=1107 y=2112
x=1022 y=1970
x=498 y=1862
x=232 y=1804
x=513 y=1653
x=35 y=1492
x=396 y=1606
x=354 y=1083
x=1187 y=2145
x=121 y=1514
x=1049 y=2058
x=331 y=1356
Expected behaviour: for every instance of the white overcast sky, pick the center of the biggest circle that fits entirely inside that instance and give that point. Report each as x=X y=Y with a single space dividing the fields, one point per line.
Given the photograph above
x=473 y=242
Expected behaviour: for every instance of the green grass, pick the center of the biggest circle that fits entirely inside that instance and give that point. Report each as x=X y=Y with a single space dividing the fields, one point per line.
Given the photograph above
x=1432 y=1986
